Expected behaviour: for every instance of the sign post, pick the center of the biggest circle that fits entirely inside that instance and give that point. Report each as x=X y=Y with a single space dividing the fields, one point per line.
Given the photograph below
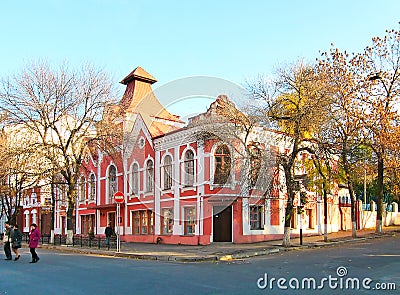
x=118 y=198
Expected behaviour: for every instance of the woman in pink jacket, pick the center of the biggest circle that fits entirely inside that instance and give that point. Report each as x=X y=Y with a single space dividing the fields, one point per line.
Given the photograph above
x=34 y=237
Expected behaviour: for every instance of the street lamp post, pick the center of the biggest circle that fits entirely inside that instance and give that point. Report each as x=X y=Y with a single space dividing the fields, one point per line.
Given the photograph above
x=365 y=181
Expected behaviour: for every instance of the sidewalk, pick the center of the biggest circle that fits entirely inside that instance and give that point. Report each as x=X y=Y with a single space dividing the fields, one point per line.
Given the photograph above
x=227 y=251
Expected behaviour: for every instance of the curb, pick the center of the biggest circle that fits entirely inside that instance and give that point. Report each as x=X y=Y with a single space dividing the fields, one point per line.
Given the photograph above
x=215 y=258
x=249 y=254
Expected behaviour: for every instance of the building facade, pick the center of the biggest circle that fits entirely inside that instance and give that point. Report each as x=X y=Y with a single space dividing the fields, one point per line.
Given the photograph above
x=179 y=188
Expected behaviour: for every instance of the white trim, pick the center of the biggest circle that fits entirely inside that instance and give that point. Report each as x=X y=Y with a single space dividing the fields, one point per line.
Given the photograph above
x=140 y=202
x=177 y=229
x=107 y=196
x=162 y=171
x=232 y=183
x=182 y=168
x=167 y=199
x=130 y=179
x=157 y=197
x=146 y=192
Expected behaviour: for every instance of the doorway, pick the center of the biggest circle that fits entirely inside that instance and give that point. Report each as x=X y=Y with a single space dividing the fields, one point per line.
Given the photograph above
x=222 y=224
x=112 y=219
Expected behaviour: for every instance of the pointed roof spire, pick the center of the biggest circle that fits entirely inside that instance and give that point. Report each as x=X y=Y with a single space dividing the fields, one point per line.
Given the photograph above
x=139 y=74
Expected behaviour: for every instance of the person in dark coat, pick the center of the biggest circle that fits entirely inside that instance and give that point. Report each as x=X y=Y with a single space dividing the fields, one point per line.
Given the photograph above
x=16 y=240
x=108 y=232
x=34 y=237
x=7 y=241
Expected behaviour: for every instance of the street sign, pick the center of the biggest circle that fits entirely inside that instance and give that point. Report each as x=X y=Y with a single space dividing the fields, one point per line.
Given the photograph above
x=119 y=197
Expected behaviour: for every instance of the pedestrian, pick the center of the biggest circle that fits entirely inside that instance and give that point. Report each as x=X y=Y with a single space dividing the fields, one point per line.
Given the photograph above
x=7 y=240
x=34 y=237
x=16 y=240
x=108 y=232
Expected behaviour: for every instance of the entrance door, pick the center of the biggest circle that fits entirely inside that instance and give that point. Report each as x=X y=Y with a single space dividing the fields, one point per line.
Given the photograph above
x=222 y=224
x=111 y=219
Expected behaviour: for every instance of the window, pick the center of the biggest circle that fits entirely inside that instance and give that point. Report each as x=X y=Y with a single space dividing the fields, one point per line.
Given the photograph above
x=143 y=223
x=167 y=172
x=87 y=224
x=149 y=176
x=256 y=217
x=222 y=165
x=189 y=168
x=255 y=164
x=33 y=198
x=167 y=221
x=135 y=179
x=63 y=193
x=82 y=188
x=34 y=216
x=190 y=220
x=112 y=183
x=92 y=186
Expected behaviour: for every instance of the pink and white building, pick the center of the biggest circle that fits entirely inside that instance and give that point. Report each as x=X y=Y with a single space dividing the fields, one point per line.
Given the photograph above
x=178 y=189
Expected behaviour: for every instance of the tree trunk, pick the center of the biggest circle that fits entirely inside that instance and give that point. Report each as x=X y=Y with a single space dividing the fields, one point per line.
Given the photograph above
x=289 y=208
x=70 y=211
x=353 y=210
x=379 y=211
x=325 y=212
x=53 y=209
x=70 y=228
x=286 y=237
x=52 y=236
x=352 y=196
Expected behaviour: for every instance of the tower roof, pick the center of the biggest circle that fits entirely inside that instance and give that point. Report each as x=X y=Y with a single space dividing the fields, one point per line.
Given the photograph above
x=139 y=98
x=139 y=74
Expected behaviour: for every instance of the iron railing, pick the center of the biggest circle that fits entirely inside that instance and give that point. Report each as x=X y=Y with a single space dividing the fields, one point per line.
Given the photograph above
x=82 y=241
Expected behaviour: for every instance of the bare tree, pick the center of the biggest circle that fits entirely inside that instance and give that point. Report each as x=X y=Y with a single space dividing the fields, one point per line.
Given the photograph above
x=225 y=123
x=64 y=110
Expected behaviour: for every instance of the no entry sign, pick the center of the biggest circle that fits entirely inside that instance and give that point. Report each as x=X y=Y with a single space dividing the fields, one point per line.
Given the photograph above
x=119 y=197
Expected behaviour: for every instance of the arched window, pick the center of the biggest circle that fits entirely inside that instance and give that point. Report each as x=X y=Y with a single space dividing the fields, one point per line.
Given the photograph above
x=149 y=176
x=167 y=172
x=222 y=170
x=82 y=188
x=189 y=168
x=92 y=186
x=34 y=216
x=135 y=179
x=255 y=164
x=112 y=182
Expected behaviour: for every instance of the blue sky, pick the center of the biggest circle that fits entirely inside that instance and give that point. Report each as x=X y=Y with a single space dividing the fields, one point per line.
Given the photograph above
x=233 y=40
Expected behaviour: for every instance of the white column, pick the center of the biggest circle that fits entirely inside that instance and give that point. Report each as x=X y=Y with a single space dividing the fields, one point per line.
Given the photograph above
x=320 y=216
x=125 y=190
x=177 y=229
x=245 y=216
x=157 y=187
x=98 y=176
x=267 y=214
x=199 y=183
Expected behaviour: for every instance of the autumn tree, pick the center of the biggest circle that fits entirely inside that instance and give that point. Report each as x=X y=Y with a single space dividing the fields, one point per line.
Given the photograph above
x=342 y=131
x=322 y=176
x=296 y=104
x=380 y=64
x=63 y=109
x=22 y=167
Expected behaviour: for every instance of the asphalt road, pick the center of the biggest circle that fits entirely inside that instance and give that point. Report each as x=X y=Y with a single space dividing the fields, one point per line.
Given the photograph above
x=372 y=264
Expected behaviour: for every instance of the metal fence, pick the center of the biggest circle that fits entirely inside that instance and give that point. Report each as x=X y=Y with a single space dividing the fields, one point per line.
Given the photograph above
x=367 y=207
x=78 y=241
